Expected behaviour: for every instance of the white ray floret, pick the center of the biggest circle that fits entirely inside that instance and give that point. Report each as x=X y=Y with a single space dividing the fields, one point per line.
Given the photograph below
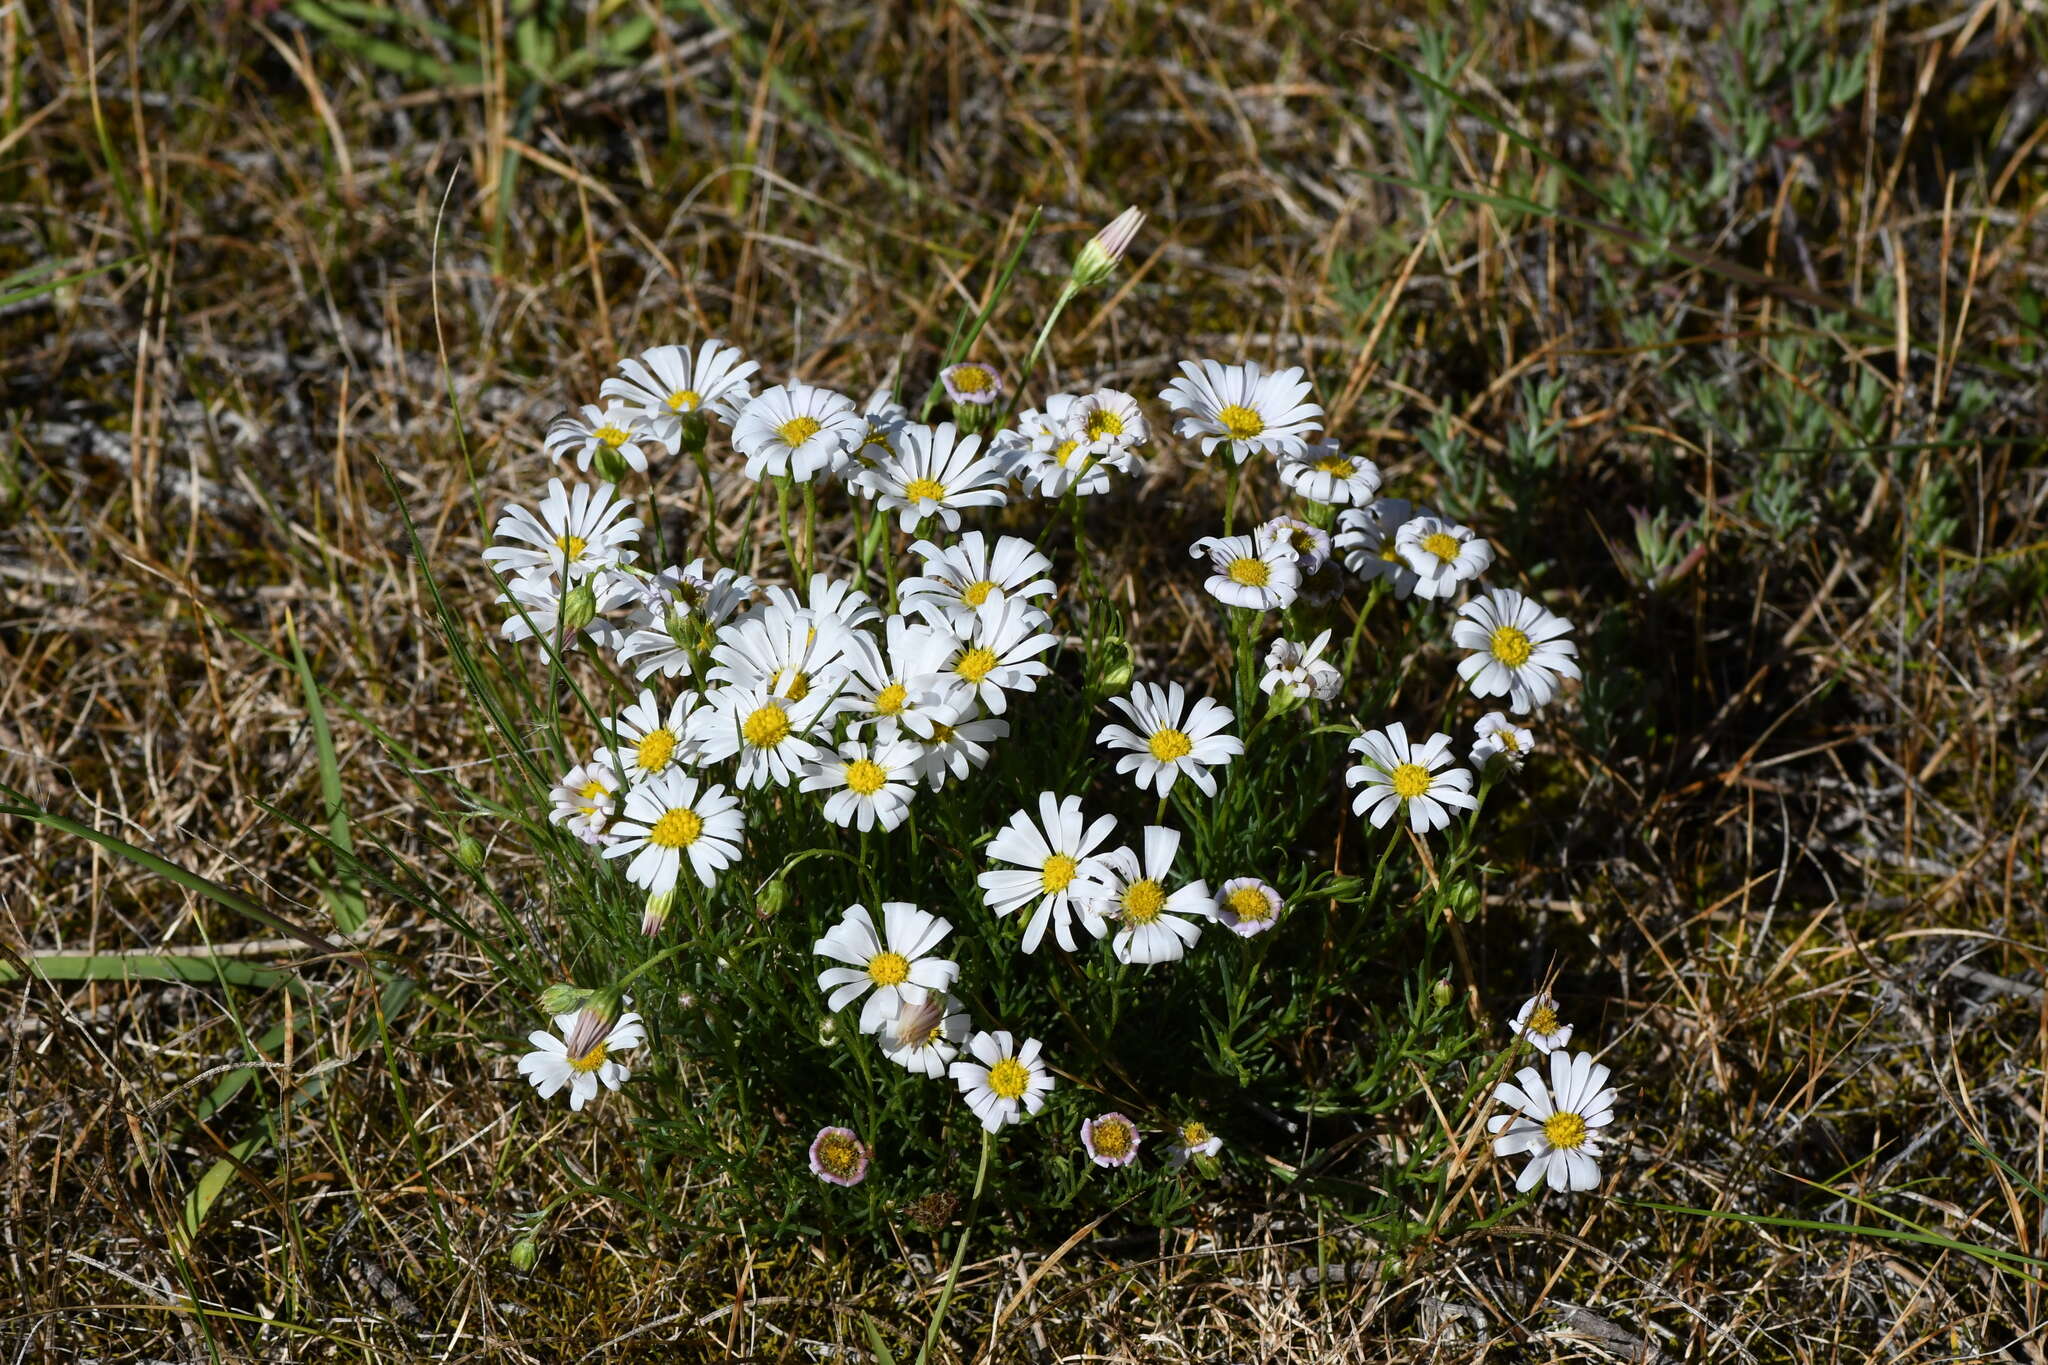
x=1053 y=869
x=1167 y=739
x=1242 y=408
x=1366 y=538
x=826 y=596
x=998 y=653
x=1259 y=571
x=650 y=743
x=536 y=600
x=668 y=384
x=1396 y=773
x=958 y=743
x=798 y=431
x=794 y=654
x=1556 y=1125
x=888 y=967
x=1496 y=736
x=971 y=384
x=671 y=819
x=1301 y=671
x=959 y=578
x=932 y=472
x=582 y=802
x=771 y=735
x=1519 y=649
x=1311 y=544
x=1002 y=1080
x=679 y=612
x=1247 y=906
x=1537 y=1024
x=926 y=1034
x=1107 y=423
x=577 y=533
x=870 y=783
x=1155 y=924
x=893 y=686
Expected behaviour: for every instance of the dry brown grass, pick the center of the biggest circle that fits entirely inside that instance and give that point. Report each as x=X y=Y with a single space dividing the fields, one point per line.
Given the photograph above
x=1799 y=881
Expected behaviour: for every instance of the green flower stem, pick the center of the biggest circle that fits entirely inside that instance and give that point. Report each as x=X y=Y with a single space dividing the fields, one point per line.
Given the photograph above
x=810 y=528
x=1059 y=306
x=782 y=517
x=931 y=1333
x=710 y=506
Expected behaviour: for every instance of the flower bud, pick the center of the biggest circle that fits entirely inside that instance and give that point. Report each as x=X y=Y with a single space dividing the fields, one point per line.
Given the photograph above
x=828 y=1031
x=562 y=997
x=1459 y=897
x=1441 y=993
x=677 y=624
x=659 y=903
x=579 y=607
x=469 y=852
x=595 y=1020
x=525 y=1254
x=1106 y=248
x=772 y=899
x=609 y=464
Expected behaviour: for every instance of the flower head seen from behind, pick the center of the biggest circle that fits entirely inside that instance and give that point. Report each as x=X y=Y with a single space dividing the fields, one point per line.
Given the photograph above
x=1396 y=773
x=1260 y=571
x=1111 y=1140
x=1519 y=649
x=1171 y=740
x=1191 y=1141
x=1322 y=472
x=1537 y=1024
x=839 y=1157
x=551 y=1066
x=1002 y=1080
x=1242 y=408
x=933 y=472
x=1443 y=554
x=1155 y=924
x=1496 y=736
x=889 y=966
x=1557 y=1124
x=670 y=819
x=1247 y=906
x=797 y=431
x=1053 y=869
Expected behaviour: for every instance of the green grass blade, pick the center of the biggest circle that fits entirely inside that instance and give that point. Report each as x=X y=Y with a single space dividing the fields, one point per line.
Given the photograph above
x=345 y=897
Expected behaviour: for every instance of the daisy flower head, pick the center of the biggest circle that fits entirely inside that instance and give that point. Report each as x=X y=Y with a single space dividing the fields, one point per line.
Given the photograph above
x=1247 y=906
x=1053 y=869
x=1537 y=1024
x=668 y=386
x=1110 y=1139
x=1157 y=925
x=839 y=1157
x=1311 y=544
x=1519 y=649
x=1057 y=461
x=892 y=685
x=672 y=818
x=890 y=966
x=971 y=385
x=1366 y=537
x=884 y=417
x=1496 y=736
x=932 y=472
x=871 y=784
x=1396 y=773
x=582 y=801
x=958 y=742
x=794 y=654
x=925 y=1035
x=1555 y=1124
x=1171 y=740
x=577 y=533
x=1003 y=1081
x=650 y=743
x=997 y=653
x=1300 y=671
x=540 y=605
x=1442 y=553
x=1192 y=1140
x=552 y=1066
x=1259 y=571
x=797 y=431
x=1321 y=472
x=769 y=733
x=1106 y=423
x=1242 y=407
x=611 y=437
x=959 y=578
x=679 y=612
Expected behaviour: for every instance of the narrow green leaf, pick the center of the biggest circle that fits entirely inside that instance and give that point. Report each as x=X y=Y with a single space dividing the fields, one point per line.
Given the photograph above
x=345 y=898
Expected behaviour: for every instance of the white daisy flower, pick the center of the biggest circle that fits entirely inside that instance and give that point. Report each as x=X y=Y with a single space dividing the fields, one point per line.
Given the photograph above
x=1555 y=1124
x=1322 y=472
x=998 y=653
x=771 y=734
x=1003 y=1082
x=649 y=742
x=925 y=1034
x=1294 y=670
x=958 y=743
x=667 y=384
x=1247 y=906
x=932 y=471
x=584 y=437
x=1311 y=544
x=794 y=654
x=871 y=784
x=680 y=610
x=1171 y=741
x=969 y=384
x=1443 y=554
x=896 y=965
x=1366 y=538
x=576 y=533
x=1054 y=865
x=669 y=818
x=1396 y=773
x=582 y=801
x=537 y=601
x=1107 y=423
x=551 y=1066
x=1538 y=1024
x=1048 y=461
x=1520 y=649
x=1110 y=1139
x=1259 y=571
x=797 y=431
x=958 y=579
x=1157 y=925
x=829 y=597
x=1244 y=407
x=894 y=687
x=1191 y=1140
x=884 y=417
x=1499 y=737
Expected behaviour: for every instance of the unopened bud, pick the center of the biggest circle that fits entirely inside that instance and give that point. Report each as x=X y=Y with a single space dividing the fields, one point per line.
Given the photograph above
x=1460 y=898
x=1441 y=993
x=1106 y=248
x=609 y=465
x=562 y=998
x=1117 y=668
x=677 y=624
x=1283 y=699
x=772 y=899
x=469 y=852
x=828 y=1031
x=659 y=903
x=579 y=607
x=525 y=1254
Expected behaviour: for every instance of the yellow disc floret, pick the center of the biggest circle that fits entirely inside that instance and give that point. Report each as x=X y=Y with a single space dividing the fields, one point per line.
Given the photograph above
x=976 y=664
x=654 y=750
x=1565 y=1131
x=1009 y=1078
x=766 y=728
x=888 y=969
x=1169 y=745
x=797 y=430
x=1240 y=422
x=1058 y=873
x=1249 y=572
x=684 y=400
x=1144 y=901
x=1511 y=645
x=678 y=828
x=1410 y=780
x=865 y=776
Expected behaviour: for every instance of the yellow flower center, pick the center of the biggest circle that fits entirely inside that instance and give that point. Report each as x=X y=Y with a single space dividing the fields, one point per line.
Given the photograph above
x=1542 y=1019
x=1564 y=1131
x=797 y=430
x=1336 y=464
x=888 y=969
x=891 y=700
x=1063 y=452
x=976 y=663
x=1249 y=903
x=1241 y=422
x=866 y=777
x=1194 y=1134
x=591 y=790
x=766 y=728
x=942 y=733
x=679 y=828
x=1389 y=553
x=1169 y=746
x=798 y=686
x=589 y=1061
x=925 y=490
x=1058 y=873
x=612 y=436
x=839 y=1156
x=1251 y=573
x=572 y=546
x=1009 y=1078
x=1511 y=646
x=1102 y=422
x=1410 y=781
x=653 y=752
x=1111 y=1138
x=974 y=594
x=972 y=379
x=684 y=400
x=1144 y=901
x=1442 y=544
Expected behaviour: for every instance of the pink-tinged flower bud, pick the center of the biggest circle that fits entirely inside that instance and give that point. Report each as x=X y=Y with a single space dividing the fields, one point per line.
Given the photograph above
x=1106 y=248
x=594 y=1022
